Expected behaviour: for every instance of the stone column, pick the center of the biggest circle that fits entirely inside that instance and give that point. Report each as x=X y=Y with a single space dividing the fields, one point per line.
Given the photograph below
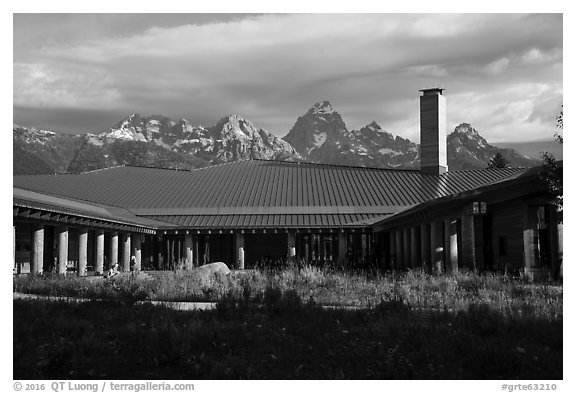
x=447 y=262
x=291 y=245
x=178 y=252
x=158 y=250
x=207 y=249
x=37 y=260
x=14 y=247
x=399 y=249
x=425 y=247
x=126 y=253
x=82 y=252
x=62 y=249
x=454 y=252
x=313 y=255
x=99 y=268
x=450 y=247
x=436 y=247
x=239 y=240
x=406 y=244
x=364 y=245
x=468 y=242
x=189 y=251
x=138 y=251
x=196 y=252
x=114 y=249
x=168 y=260
x=415 y=254
x=342 y=249
x=529 y=254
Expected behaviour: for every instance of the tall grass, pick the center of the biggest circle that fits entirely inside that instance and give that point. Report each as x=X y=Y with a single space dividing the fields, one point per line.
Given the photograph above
x=415 y=289
x=128 y=288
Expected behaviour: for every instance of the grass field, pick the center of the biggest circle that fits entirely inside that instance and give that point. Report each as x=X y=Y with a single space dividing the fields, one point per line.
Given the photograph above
x=271 y=325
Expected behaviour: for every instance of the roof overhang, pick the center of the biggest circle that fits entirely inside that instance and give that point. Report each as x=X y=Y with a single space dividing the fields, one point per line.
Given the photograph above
x=523 y=184
x=43 y=207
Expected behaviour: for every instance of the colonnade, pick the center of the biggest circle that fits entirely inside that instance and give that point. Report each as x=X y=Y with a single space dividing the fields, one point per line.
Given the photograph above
x=131 y=247
x=440 y=245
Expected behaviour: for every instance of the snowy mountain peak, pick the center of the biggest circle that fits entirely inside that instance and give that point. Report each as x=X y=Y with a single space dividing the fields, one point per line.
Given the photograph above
x=32 y=135
x=468 y=135
x=236 y=126
x=235 y=137
x=466 y=129
x=131 y=120
x=32 y=130
x=467 y=149
x=373 y=127
x=320 y=135
x=373 y=130
x=321 y=108
x=236 y=119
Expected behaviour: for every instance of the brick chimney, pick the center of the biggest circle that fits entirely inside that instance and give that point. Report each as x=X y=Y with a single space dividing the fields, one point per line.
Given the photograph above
x=433 y=131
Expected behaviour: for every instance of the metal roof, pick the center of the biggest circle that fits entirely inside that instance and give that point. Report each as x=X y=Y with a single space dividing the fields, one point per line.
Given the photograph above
x=506 y=189
x=238 y=221
x=302 y=193
x=34 y=200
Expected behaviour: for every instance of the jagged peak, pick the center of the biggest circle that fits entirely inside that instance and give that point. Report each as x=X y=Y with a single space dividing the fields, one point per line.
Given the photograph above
x=236 y=119
x=133 y=117
x=234 y=116
x=24 y=128
x=188 y=125
x=465 y=133
x=373 y=126
x=33 y=130
x=465 y=128
x=236 y=125
x=128 y=121
x=321 y=108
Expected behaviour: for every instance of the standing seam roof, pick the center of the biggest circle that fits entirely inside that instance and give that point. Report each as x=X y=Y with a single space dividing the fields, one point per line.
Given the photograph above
x=258 y=183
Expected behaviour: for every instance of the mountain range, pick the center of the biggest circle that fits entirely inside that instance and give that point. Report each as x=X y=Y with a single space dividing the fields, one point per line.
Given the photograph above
x=534 y=149
x=320 y=135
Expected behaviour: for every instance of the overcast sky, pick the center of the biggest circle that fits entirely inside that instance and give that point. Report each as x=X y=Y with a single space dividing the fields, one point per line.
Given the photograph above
x=502 y=72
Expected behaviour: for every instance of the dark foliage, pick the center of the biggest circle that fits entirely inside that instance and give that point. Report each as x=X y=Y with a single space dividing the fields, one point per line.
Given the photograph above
x=552 y=173
x=279 y=337
x=498 y=161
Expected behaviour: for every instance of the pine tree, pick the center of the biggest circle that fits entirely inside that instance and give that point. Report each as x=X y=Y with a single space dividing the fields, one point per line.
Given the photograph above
x=552 y=170
x=498 y=161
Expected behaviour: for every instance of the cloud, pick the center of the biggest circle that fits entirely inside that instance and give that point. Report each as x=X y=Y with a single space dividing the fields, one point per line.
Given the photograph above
x=537 y=56
x=47 y=85
x=515 y=110
x=497 y=67
x=272 y=68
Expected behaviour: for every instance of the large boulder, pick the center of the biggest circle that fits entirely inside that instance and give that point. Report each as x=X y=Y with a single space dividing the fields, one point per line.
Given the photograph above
x=210 y=269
